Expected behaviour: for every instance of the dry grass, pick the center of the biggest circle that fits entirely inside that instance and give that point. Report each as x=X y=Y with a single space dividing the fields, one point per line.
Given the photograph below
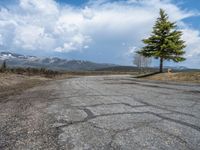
x=10 y=79
x=11 y=84
x=193 y=77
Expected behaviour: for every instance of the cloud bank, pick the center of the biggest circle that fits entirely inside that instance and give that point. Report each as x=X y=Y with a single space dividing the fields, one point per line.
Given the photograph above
x=101 y=31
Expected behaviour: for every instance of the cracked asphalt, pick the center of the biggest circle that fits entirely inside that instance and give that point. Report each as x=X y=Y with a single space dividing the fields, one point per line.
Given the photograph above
x=102 y=112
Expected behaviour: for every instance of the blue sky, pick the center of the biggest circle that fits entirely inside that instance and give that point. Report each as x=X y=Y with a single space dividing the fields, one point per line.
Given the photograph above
x=105 y=31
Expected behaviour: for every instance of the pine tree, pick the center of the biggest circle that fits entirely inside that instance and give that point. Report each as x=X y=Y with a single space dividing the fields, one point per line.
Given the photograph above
x=165 y=41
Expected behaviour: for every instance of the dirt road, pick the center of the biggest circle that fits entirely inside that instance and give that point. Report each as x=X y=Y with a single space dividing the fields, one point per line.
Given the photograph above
x=103 y=112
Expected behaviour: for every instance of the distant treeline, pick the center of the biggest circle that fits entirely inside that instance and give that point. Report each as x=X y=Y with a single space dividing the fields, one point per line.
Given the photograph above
x=29 y=71
x=129 y=69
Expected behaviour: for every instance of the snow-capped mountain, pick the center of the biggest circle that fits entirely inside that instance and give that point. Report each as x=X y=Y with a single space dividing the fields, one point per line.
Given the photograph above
x=18 y=60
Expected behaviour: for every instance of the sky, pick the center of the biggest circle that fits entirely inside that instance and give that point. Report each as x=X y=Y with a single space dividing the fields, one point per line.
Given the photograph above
x=103 y=31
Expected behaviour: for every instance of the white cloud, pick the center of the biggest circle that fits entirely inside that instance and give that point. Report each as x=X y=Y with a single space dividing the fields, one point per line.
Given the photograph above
x=77 y=42
x=88 y=13
x=192 y=38
x=30 y=37
x=131 y=50
x=47 y=7
x=1 y=41
x=100 y=27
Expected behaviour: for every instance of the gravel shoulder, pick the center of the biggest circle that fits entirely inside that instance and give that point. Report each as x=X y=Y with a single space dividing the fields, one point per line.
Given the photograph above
x=102 y=112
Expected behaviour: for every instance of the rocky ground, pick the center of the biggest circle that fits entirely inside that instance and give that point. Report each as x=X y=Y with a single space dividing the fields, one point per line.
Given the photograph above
x=102 y=112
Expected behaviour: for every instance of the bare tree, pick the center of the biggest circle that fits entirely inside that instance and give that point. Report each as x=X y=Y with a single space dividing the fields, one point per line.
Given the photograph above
x=141 y=62
x=137 y=60
x=146 y=62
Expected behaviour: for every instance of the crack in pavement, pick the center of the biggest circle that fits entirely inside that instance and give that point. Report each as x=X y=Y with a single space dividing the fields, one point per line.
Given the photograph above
x=172 y=135
x=131 y=96
x=115 y=132
x=91 y=116
x=163 y=108
x=155 y=86
x=110 y=104
x=38 y=117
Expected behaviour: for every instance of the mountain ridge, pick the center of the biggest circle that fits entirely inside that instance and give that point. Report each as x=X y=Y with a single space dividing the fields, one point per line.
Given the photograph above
x=54 y=63
x=59 y=64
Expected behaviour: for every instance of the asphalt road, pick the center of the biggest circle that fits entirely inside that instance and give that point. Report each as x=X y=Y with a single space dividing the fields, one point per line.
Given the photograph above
x=103 y=112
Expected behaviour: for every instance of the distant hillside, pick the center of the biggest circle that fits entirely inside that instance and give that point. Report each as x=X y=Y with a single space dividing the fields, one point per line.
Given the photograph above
x=125 y=69
x=150 y=69
x=55 y=63
x=18 y=60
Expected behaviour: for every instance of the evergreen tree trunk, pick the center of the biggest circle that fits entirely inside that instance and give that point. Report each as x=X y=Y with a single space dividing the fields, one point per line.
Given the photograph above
x=161 y=65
